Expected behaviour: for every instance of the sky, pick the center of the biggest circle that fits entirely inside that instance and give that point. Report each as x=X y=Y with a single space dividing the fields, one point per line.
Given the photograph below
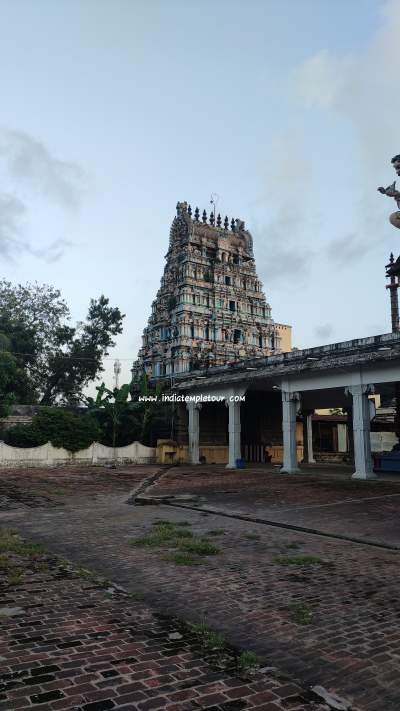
x=113 y=110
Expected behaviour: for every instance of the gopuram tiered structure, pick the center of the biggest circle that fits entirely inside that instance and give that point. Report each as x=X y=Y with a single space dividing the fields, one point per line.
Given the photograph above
x=210 y=308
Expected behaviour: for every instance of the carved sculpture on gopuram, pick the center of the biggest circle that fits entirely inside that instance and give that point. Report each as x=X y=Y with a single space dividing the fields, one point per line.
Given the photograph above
x=393 y=268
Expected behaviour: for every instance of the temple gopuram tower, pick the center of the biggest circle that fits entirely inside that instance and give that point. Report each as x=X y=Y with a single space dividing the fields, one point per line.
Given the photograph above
x=210 y=308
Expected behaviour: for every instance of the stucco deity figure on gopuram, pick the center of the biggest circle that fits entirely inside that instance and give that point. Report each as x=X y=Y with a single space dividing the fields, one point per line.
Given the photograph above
x=391 y=191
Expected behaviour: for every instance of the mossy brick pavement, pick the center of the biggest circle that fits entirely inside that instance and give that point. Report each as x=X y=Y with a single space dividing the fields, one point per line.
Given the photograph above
x=317 y=609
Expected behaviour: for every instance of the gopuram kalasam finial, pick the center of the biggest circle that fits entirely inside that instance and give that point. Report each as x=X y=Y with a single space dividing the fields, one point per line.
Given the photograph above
x=391 y=191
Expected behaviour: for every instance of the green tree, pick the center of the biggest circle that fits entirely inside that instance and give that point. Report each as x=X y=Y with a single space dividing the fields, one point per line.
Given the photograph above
x=15 y=384
x=115 y=411
x=60 y=359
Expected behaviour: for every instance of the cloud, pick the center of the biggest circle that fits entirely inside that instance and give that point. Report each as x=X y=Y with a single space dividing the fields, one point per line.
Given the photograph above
x=12 y=212
x=363 y=88
x=29 y=161
x=281 y=249
x=324 y=330
x=277 y=253
x=345 y=249
x=53 y=252
x=366 y=238
x=12 y=241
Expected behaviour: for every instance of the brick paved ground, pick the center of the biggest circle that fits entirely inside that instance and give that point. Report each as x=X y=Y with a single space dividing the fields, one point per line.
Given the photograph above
x=366 y=510
x=347 y=594
x=72 y=643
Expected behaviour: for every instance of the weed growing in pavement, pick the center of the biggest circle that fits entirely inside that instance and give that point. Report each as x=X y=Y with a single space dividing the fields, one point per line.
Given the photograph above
x=184 y=558
x=183 y=533
x=301 y=613
x=199 y=628
x=11 y=542
x=8 y=540
x=216 y=532
x=248 y=662
x=292 y=546
x=82 y=573
x=200 y=547
x=167 y=534
x=252 y=536
x=214 y=641
x=161 y=534
x=4 y=562
x=297 y=560
x=15 y=577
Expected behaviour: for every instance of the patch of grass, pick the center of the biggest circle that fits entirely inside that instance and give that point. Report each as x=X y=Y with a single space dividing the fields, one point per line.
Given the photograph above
x=184 y=558
x=252 y=536
x=11 y=542
x=4 y=562
x=301 y=613
x=58 y=492
x=183 y=523
x=161 y=534
x=31 y=549
x=8 y=540
x=183 y=533
x=292 y=546
x=297 y=560
x=171 y=535
x=15 y=577
x=248 y=662
x=199 y=547
x=199 y=628
x=215 y=641
x=82 y=573
x=216 y=532
x=212 y=640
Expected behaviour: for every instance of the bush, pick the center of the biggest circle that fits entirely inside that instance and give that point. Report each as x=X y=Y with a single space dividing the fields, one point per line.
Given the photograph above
x=128 y=430
x=60 y=427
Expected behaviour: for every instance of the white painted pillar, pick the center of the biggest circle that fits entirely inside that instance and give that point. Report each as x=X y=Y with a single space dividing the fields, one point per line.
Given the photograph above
x=290 y=408
x=234 y=430
x=194 y=431
x=361 y=432
x=310 y=449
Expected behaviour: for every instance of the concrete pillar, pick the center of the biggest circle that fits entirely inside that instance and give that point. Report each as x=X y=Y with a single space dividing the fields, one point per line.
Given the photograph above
x=361 y=432
x=342 y=437
x=193 y=409
x=234 y=430
x=290 y=408
x=310 y=449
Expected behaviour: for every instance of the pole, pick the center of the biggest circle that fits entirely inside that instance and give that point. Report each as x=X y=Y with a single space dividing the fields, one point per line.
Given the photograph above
x=394 y=298
x=394 y=309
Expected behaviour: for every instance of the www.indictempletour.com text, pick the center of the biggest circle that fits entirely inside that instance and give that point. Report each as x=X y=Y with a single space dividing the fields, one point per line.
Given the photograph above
x=191 y=398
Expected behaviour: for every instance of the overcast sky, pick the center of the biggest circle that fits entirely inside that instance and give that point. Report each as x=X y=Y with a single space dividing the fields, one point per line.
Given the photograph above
x=113 y=110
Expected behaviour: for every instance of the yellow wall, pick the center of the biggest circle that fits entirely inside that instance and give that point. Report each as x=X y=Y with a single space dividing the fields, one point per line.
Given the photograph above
x=285 y=334
x=169 y=452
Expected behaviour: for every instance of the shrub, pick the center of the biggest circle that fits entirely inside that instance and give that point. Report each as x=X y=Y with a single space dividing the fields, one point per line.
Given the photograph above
x=60 y=427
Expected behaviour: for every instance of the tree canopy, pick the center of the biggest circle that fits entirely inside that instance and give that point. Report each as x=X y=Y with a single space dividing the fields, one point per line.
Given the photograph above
x=43 y=358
